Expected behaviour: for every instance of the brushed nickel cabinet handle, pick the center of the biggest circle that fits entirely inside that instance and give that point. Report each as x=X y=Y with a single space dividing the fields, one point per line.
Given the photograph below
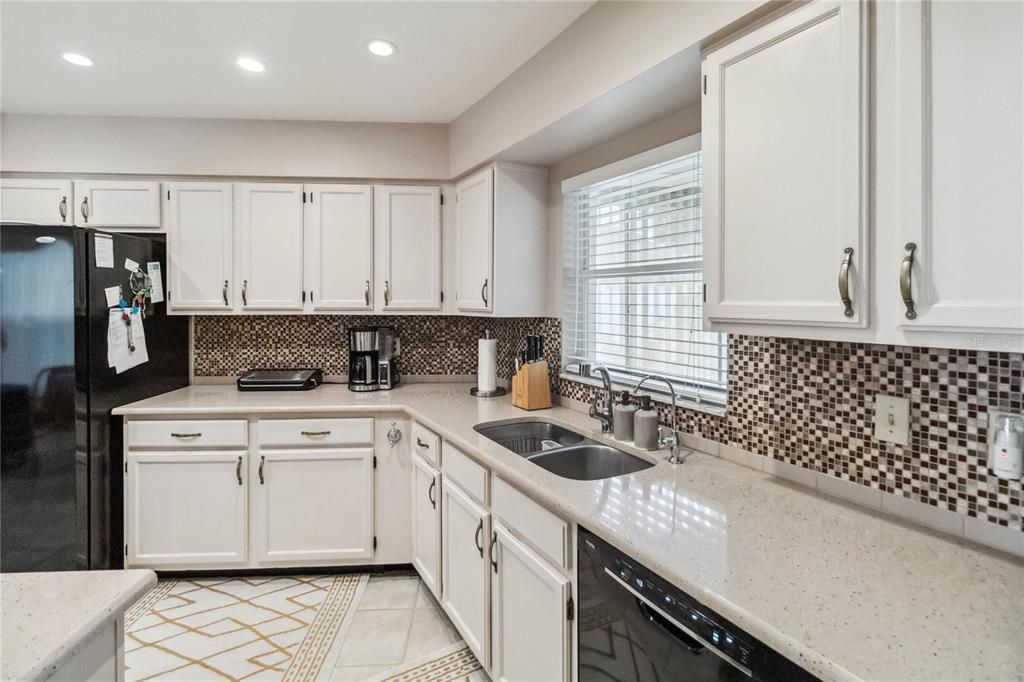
x=366 y=293
x=387 y=292
x=263 y=462
x=315 y=433
x=63 y=208
x=420 y=443
x=224 y=293
x=245 y=287
x=85 y=209
x=844 y=281
x=477 y=539
x=483 y=292
x=238 y=470
x=186 y=435
x=430 y=493
x=490 y=552
x=905 y=280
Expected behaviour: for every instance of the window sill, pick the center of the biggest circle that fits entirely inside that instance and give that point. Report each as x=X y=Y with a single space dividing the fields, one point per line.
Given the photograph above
x=681 y=401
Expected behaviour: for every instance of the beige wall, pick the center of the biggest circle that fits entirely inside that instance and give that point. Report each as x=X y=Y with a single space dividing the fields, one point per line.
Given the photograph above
x=254 y=148
x=669 y=129
x=607 y=46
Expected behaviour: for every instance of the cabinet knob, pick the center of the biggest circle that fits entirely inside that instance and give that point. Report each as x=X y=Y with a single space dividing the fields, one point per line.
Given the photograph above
x=85 y=209
x=245 y=287
x=238 y=470
x=224 y=293
x=430 y=493
x=483 y=292
x=263 y=462
x=63 y=208
x=366 y=293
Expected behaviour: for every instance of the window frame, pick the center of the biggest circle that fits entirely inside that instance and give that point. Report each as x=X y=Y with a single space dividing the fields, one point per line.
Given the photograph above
x=692 y=394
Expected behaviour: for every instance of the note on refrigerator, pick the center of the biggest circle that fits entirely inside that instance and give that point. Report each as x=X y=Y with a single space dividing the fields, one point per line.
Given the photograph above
x=120 y=355
x=104 y=245
x=157 y=279
x=130 y=265
x=113 y=295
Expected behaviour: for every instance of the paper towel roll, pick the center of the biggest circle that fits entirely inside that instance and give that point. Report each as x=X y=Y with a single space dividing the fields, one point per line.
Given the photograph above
x=487 y=365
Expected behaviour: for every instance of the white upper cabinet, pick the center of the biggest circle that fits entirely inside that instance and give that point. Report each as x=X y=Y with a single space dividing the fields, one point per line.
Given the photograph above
x=407 y=243
x=785 y=160
x=961 y=74
x=270 y=246
x=474 y=241
x=339 y=246
x=501 y=241
x=127 y=205
x=200 y=243
x=42 y=202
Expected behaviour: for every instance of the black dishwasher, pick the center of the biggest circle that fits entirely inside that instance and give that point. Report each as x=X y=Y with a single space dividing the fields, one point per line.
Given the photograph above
x=633 y=625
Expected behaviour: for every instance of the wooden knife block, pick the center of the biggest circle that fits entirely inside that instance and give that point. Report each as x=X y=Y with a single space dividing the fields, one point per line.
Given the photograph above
x=531 y=387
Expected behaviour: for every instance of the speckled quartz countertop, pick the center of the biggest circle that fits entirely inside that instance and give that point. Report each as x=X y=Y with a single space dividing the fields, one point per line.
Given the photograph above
x=45 y=618
x=844 y=592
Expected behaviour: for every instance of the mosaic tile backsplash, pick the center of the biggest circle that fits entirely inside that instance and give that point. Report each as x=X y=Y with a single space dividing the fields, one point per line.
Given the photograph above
x=808 y=403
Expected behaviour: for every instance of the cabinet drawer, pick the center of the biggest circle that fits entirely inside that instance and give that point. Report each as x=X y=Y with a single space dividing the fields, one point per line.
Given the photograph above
x=426 y=443
x=470 y=476
x=531 y=522
x=192 y=433
x=274 y=432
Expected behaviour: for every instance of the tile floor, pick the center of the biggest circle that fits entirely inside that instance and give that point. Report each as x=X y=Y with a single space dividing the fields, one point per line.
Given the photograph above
x=397 y=622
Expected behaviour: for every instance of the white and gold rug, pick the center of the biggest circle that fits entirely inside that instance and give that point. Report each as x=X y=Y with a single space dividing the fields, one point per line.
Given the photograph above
x=251 y=628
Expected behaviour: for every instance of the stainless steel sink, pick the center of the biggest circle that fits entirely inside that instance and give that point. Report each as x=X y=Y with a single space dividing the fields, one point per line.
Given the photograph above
x=561 y=451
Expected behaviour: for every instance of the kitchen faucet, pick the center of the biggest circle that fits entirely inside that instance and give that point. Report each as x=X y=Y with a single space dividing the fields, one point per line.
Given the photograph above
x=605 y=415
x=671 y=440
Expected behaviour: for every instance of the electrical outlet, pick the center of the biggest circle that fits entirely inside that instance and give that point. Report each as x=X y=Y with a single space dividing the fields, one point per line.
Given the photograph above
x=892 y=419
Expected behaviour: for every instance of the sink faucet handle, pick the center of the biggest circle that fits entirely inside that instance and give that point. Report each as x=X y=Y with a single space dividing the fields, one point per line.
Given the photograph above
x=667 y=437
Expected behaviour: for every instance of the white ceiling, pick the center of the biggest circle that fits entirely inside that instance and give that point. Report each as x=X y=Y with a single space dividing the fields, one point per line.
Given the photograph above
x=178 y=58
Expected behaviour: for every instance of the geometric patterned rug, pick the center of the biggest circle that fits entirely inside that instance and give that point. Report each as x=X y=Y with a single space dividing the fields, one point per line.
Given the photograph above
x=453 y=663
x=277 y=628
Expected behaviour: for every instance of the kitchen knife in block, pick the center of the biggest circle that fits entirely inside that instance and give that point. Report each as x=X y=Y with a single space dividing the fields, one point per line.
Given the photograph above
x=531 y=387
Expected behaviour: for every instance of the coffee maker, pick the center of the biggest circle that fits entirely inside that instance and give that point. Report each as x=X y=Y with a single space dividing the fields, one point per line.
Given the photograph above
x=372 y=359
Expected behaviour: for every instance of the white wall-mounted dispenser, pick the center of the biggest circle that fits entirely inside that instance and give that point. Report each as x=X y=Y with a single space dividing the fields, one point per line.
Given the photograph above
x=1006 y=445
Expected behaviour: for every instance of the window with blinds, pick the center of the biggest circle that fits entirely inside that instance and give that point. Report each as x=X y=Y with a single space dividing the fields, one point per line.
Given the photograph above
x=633 y=292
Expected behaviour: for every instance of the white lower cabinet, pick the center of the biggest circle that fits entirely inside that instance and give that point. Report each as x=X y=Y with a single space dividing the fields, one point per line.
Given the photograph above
x=465 y=572
x=426 y=523
x=530 y=604
x=312 y=505
x=186 y=509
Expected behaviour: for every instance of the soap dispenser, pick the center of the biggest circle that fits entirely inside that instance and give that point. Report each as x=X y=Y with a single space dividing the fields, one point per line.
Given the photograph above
x=1006 y=446
x=645 y=425
x=622 y=417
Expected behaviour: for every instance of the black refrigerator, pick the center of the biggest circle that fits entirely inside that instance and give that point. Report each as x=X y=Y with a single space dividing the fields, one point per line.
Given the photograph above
x=61 y=460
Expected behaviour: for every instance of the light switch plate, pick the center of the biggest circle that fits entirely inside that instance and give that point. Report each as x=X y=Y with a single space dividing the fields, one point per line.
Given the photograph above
x=892 y=419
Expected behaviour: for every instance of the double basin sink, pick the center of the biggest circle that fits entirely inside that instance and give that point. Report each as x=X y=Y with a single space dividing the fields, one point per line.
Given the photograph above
x=561 y=451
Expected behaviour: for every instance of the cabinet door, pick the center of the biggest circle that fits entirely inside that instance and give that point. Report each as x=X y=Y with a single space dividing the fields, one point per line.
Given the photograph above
x=199 y=244
x=185 y=508
x=270 y=246
x=426 y=523
x=312 y=505
x=339 y=246
x=785 y=166
x=117 y=204
x=43 y=202
x=408 y=244
x=474 y=241
x=530 y=611
x=962 y=169
x=464 y=571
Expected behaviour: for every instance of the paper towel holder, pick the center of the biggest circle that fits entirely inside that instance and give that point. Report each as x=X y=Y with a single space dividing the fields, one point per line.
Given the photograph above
x=487 y=394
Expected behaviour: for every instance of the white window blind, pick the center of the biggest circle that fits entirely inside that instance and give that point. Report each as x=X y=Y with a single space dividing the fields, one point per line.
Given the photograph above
x=633 y=292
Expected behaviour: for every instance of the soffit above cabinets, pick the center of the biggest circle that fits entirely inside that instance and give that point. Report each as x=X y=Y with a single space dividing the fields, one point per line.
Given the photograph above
x=178 y=59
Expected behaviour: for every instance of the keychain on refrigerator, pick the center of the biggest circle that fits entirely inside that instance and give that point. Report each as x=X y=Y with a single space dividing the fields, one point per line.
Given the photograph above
x=126 y=317
x=142 y=288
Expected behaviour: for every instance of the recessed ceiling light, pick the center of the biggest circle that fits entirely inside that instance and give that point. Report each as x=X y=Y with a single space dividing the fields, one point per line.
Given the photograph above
x=381 y=48
x=77 y=59
x=250 y=64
